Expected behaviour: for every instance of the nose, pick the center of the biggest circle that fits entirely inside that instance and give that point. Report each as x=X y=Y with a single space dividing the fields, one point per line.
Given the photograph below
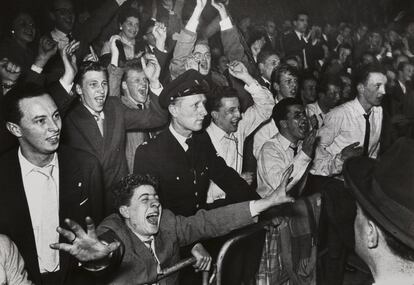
x=237 y=114
x=382 y=89
x=54 y=126
x=155 y=203
x=203 y=111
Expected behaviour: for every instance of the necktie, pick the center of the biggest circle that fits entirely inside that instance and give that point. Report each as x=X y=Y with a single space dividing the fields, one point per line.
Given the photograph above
x=140 y=106
x=70 y=37
x=367 y=134
x=49 y=221
x=305 y=61
x=148 y=245
x=295 y=150
x=233 y=152
x=100 y=123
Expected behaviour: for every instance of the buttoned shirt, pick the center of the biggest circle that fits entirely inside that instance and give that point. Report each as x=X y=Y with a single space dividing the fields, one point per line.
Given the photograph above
x=32 y=188
x=396 y=280
x=275 y=157
x=230 y=146
x=265 y=132
x=314 y=109
x=343 y=126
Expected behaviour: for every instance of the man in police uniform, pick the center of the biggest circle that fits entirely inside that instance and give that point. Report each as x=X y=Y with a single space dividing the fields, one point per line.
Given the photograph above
x=183 y=159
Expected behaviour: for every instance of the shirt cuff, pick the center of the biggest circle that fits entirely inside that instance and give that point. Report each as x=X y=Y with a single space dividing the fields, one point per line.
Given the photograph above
x=389 y=54
x=36 y=68
x=192 y=25
x=226 y=24
x=68 y=88
x=157 y=91
x=253 y=87
x=253 y=210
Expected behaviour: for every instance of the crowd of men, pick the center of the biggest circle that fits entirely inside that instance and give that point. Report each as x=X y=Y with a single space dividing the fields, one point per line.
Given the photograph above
x=133 y=138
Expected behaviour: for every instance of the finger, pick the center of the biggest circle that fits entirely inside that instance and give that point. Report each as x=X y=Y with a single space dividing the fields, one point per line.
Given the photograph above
x=70 y=236
x=113 y=246
x=143 y=63
x=208 y=264
x=90 y=227
x=76 y=228
x=61 y=246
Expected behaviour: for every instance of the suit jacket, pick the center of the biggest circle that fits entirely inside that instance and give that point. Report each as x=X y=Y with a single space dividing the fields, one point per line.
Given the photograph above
x=183 y=187
x=80 y=195
x=81 y=131
x=139 y=265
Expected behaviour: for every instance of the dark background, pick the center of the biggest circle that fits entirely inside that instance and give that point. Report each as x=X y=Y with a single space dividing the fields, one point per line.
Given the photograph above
x=372 y=12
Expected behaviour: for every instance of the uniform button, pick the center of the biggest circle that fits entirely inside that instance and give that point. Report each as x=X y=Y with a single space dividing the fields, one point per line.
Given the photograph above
x=195 y=182
x=197 y=206
x=178 y=178
x=196 y=193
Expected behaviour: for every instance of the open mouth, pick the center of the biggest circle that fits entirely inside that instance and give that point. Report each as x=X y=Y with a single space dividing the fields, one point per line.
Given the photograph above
x=100 y=100
x=53 y=139
x=152 y=218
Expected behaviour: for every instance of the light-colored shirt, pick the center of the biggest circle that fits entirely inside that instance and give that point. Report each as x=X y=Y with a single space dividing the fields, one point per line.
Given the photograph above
x=12 y=269
x=266 y=132
x=129 y=47
x=396 y=280
x=181 y=139
x=343 y=126
x=230 y=146
x=314 y=109
x=275 y=157
x=33 y=187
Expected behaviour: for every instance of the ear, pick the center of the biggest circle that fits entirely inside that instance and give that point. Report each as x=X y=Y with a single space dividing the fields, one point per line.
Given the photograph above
x=123 y=210
x=173 y=110
x=372 y=234
x=360 y=89
x=14 y=129
x=214 y=115
x=276 y=86
x=124 y=85
x=261 y=66
x=283 y=124
x=78 y=89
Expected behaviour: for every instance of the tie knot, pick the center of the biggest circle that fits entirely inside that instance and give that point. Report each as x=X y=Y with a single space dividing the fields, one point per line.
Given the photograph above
x=366 y=116
x=189 y=141
x=148 y=243
x=140 y=106
x=97 y=116
x=294 y=148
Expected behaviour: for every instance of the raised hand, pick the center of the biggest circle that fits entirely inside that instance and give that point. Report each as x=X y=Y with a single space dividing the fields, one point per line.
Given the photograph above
x=151 y=69
x=238 y=70
x=308 y=145
x=160 y=34
x=84 y=246
x=112 y=44
x=9 y=71
x=69 y=61
x=204 y=259
x=278 y=196
x=221 y=8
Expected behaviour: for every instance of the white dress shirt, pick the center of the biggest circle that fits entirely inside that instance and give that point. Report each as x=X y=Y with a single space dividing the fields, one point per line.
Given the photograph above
x=230 y=146
x=314 y=109
x=275 y=157
x=33 y=187
x=181 y=139
x=266 y=132
x=343 y=126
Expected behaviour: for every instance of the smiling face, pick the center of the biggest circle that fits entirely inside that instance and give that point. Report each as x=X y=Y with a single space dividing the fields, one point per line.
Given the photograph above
x=24 y=28
x=143 y=213
x=130 y=28
x=136 y=85
x=39 y=128
x=296 y=122
x=93 y=90
x=228 y=116
x=188 y=113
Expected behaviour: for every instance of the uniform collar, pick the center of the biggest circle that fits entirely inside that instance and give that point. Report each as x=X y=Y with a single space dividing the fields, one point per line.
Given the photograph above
x=181 y=139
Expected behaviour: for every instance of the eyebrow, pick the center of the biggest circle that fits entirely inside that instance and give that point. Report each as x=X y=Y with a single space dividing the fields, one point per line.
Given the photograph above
x=39 y=117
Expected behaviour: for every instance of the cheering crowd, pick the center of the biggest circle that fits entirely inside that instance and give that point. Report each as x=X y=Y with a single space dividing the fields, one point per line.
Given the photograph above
x=135 y=136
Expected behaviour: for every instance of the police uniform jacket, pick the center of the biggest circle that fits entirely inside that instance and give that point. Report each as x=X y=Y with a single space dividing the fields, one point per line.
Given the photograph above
x=184 y=185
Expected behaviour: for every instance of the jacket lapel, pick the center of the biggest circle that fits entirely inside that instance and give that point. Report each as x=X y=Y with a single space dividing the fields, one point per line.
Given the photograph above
x=109 y=124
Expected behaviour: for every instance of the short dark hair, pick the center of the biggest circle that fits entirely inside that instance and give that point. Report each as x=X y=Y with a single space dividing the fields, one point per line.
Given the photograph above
x=281 y=109
x=132 y=64
x=264 y=54
x=363 y=73
x=255 y=35
x=216 y=94
x=403 y=64
x=397 y=247
x=11 y=103
x=283 y=68
x=124 y=190
x=298 y=13
x=126 y=13
x=87 y=66
x=306 y=77
x=329 y=80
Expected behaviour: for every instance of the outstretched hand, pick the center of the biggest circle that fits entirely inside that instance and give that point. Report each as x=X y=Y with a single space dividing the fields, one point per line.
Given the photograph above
x=239 y=70
x=151 y=68
x=221 y=8
x=278 y=196
x=84 y=246
x=69 y=61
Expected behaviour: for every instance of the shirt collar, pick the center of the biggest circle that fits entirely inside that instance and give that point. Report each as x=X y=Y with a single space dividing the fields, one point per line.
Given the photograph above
x=300 y=35
x=216 y=131
x=27 y=167
x=359 y=109
x=402 y=86
x=284 y=142
x=94 y=113
x=124 y=40
x=266 y=81
x=181 y=139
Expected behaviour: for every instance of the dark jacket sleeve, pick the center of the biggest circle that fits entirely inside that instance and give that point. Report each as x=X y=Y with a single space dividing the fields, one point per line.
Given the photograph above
x=153 y=117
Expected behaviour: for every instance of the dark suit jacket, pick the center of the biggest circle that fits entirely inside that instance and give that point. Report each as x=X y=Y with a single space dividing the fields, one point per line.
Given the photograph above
x=79 y=180
x=183 y=188
x=175 y=231
x=81 y=131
